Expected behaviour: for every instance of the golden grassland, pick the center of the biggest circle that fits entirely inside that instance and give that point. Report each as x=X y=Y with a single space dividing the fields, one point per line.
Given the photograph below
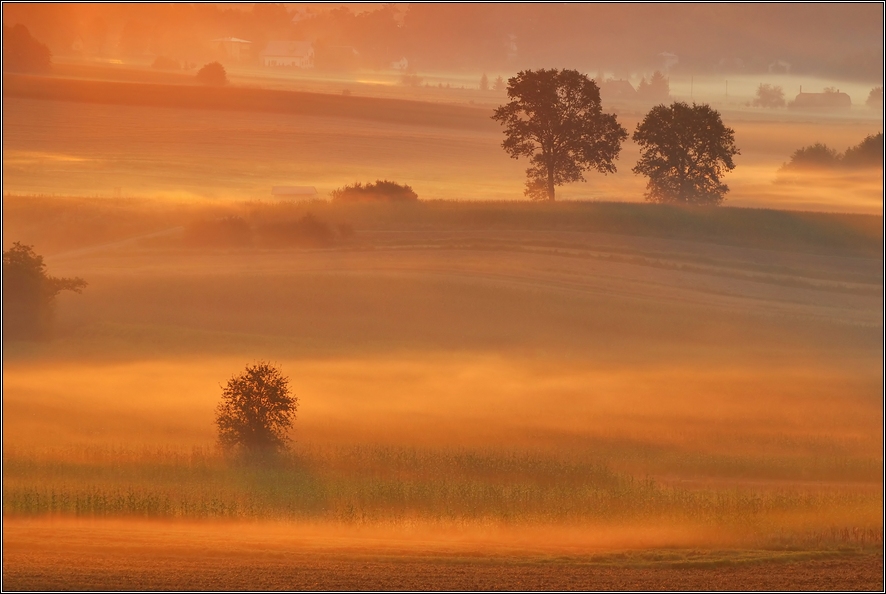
x=464 y=368
x=598 y=384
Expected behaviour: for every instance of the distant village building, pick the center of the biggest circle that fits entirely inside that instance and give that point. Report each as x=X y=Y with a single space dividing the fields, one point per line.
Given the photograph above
x=289 y=53
x=401 y=64
x=295 y=192
x=617 y=90
x=233 y=47
x=827 y=101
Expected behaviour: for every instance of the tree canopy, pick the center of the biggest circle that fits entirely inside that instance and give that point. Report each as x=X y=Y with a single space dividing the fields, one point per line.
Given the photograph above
x=213 y=74
x=685 y=151
x=771 y=96
x=23 y=53
x=555 y=118
x=29 y=293
x=256 y=411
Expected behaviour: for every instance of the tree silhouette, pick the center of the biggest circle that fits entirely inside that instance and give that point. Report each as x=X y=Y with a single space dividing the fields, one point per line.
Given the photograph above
x=684 y=151
x=554 y=117
x=29 y=293
x=769 y=96
x=212 y=74
x=875 y=98
x=256 y=411
x=23 y=53
x=484 y=83
x=657 y=89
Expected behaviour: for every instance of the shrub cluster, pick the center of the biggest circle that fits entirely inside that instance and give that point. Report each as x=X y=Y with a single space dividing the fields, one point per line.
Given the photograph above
x=867 y=153
x=234 y=232
x=380 y=191
x=213 y=75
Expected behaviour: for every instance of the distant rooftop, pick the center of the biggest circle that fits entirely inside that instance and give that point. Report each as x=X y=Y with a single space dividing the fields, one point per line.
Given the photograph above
x=288 y=48
x=293 y=191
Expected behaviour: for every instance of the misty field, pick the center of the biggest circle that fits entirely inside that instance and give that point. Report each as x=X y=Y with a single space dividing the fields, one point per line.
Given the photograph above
x=137 y=142
x=696 y=390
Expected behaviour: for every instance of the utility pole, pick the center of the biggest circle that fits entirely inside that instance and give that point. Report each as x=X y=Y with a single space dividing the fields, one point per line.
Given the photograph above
x=691 y=85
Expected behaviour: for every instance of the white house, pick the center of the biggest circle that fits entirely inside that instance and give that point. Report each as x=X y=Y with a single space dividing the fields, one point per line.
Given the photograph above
x=289 y=53
x=401 y=64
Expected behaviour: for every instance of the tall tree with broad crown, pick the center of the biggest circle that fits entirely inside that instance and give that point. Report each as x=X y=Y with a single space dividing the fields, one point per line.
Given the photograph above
x=684 y=151
x=555 y=118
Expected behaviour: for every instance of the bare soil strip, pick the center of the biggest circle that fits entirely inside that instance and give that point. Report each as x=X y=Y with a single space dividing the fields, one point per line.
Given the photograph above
x=55 y=564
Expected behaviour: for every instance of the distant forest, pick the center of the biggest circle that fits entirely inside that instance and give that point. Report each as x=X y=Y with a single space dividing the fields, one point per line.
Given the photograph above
x=841 y=41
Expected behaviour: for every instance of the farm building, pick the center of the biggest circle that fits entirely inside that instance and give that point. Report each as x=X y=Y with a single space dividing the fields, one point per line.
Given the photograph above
x=233 y=47
x=288 y=53
x=827 y=101
x=617 y=90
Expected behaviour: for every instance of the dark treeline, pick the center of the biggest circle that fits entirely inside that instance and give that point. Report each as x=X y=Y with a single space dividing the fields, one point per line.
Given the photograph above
x=824 y=39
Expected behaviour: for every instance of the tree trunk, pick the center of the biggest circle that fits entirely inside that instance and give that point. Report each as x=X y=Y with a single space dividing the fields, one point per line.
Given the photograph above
x=550 y=183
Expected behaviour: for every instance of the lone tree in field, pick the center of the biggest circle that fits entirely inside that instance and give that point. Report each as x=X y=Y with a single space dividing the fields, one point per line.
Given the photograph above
x=29 y=293
x=554 y=117
x=771 y=96
x=213 y=74
x=685 y=151
x=256 y=411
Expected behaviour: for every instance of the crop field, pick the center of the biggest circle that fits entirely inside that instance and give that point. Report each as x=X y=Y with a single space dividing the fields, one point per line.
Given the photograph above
x=491 y=396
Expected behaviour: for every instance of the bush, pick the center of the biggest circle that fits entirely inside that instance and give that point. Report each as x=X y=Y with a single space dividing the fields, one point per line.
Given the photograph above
x=212 y=74
x=411 y=80
x=769 y=96
x=380 y=191
x=224 y=232
x=875 y=98
x=165 y=63
x=813 y=156
x=309 y=231
x=867 y=153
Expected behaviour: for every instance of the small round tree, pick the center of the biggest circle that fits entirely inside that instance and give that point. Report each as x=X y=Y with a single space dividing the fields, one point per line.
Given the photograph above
x=213 y=74
x=256 y=411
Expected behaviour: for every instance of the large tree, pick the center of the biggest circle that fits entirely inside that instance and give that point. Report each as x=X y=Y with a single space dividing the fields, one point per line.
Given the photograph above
x=23 y=53
x=554 y=117
x=685 y=151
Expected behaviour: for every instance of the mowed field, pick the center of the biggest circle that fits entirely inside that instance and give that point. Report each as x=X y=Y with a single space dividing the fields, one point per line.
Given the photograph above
x=150 y=140
x=489 y=398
